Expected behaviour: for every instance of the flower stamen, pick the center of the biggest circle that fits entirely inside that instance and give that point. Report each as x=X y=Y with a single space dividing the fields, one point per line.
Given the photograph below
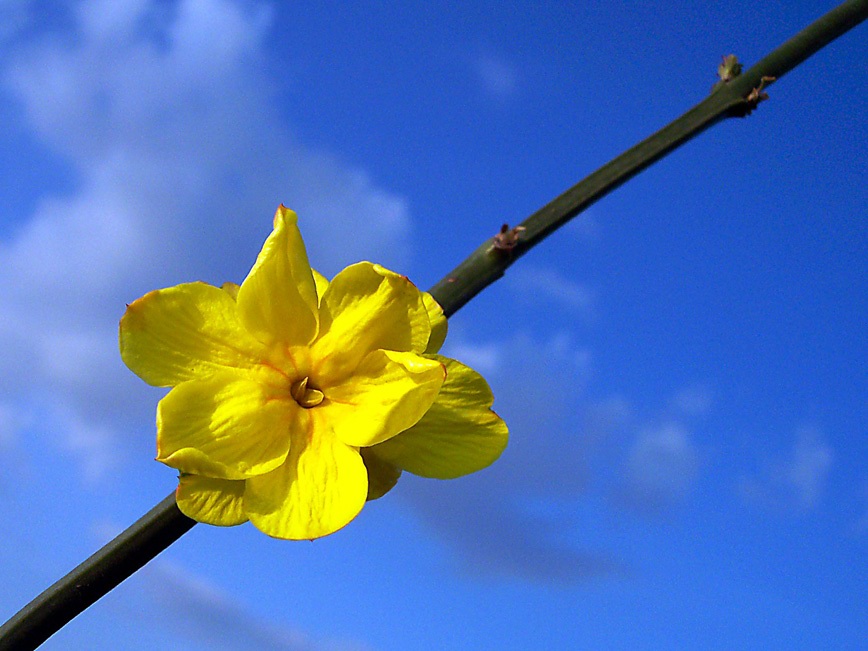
x=306 y=396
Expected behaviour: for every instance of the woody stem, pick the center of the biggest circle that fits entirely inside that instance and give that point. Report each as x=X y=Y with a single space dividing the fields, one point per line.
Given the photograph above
x=488 y=263
x=95 y=577
x=165 y=523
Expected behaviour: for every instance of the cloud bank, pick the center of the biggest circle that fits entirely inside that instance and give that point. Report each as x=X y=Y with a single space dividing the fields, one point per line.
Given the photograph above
x=523 y=516
x=178 y=154
x=202 y=612
x=792 y=480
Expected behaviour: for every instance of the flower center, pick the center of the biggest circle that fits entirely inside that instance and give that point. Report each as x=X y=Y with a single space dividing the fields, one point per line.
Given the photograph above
x=305 y=395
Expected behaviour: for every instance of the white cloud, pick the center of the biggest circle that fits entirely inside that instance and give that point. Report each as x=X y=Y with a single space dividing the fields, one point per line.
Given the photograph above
x=584 y=227
x=197 y=610
x=14 y=15
x=523 y=516
x=535 y=283
x=190 y=606
x=106 y=19
x=496 y=76
x=565 y=444
x=661 y=467
x=495 y=538
x=794 y=480
x=180 y=156
x=484 y=358
x=562 y=451
x=554 y=436
x=693 y=400
x=94 y=446
x=806 y=470
x=12 y=421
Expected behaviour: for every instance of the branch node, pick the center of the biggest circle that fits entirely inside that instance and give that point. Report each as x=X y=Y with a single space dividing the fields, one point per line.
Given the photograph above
x=753 y=98
x=729 y=69
x=507 y=239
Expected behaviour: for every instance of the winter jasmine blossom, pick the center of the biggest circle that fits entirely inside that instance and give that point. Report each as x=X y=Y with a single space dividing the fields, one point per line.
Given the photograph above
x=295 y=399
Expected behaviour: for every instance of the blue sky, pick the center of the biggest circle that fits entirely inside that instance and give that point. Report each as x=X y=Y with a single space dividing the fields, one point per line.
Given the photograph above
x=681 y=368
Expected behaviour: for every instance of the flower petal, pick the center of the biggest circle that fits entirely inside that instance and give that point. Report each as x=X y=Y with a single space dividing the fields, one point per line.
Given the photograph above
x=185 y=332
x=230 y=426
x=388 y=393
x=212 y=501
x=277 y=301
x=438 y=322
x=231 y=289
x=458 y=435
x=320 y=488
x=382 y=475
x=321 y=282
x=367 y=307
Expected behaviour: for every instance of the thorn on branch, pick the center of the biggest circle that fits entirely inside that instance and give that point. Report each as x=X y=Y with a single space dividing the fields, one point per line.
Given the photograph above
x=757 y=95
x=752 y=99
x=507 y=239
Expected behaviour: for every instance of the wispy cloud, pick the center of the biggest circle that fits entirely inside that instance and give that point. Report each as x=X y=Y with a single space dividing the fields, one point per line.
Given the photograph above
x=661 y=467
x=497 y=77
x=195 y=608
x=181 y=155
x=168 y=594
x=494 y=538
x=563 y=448
x=694 y=400
x=540 y=284
x=14 y=15
x=585 y=228
x=795 y=479
x=482 y=357
x=11 y=423
x=536 y=384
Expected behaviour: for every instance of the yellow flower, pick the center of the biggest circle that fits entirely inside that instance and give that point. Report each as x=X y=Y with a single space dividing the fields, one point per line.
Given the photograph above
x=296 y=399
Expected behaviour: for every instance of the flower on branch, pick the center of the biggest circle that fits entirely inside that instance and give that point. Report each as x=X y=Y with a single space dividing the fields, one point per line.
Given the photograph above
x=295 y=399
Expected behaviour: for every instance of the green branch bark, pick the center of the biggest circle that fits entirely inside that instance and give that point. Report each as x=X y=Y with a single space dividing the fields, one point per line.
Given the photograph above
x=487 y=263
x=165 y=523
x=99 y=574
